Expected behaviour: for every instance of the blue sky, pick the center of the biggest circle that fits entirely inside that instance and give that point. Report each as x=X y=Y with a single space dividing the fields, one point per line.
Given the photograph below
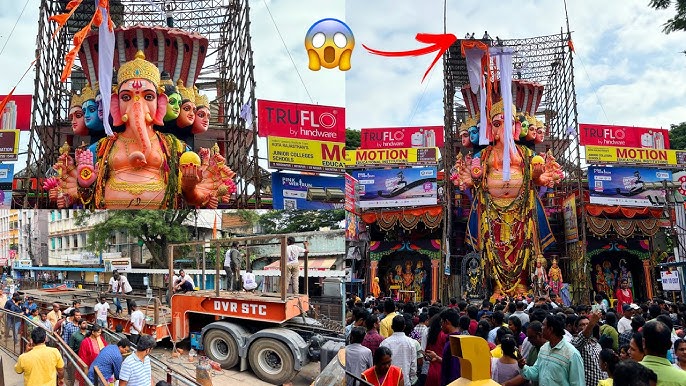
x=623 y=62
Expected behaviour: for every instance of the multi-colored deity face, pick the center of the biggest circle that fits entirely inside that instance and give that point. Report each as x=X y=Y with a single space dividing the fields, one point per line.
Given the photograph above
x=524 y=131
x=187 y=114
x=78 y=123
x=202 y=119
x=173 y=107
x=136 y=90
x=474 y=135
x=91 y=116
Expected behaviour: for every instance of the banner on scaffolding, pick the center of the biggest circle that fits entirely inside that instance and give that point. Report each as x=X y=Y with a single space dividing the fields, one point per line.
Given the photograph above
x=571 y=226
x=670 y=280
x=630 y=155
x=303 y=191
x=623 y=136
x=387 y=188
x=399 y=137
x=625 y=186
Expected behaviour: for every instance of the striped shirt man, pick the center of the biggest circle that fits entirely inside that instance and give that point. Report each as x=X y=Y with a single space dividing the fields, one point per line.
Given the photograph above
x=557 y=366
x=136 y=372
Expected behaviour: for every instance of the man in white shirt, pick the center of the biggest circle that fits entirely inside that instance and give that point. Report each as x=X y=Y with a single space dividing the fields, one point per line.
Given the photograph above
x=120 y=285
x=624 y=324
x=249 y=282
x=403 y=349
x=185 y=283
x=101 y=310
x=137 y=323
x=292 y=264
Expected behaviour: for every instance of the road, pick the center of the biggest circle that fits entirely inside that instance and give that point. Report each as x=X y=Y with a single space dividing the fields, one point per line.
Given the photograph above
x=227 y=377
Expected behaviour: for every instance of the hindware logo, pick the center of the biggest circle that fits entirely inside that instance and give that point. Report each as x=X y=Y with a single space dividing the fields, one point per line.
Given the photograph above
x=302 y=121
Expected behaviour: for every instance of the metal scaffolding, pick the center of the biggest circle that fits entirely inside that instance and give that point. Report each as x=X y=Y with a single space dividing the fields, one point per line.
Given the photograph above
x=546 y=60
x=227 y=73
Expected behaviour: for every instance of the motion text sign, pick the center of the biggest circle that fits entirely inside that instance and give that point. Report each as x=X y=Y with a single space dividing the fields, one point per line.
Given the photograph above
x=302 y=121
x=387 y=157
x=610 y=154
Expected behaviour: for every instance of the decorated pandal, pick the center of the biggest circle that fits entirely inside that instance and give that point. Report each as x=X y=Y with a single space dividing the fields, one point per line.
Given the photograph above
x=146 y=160
x=507 y=225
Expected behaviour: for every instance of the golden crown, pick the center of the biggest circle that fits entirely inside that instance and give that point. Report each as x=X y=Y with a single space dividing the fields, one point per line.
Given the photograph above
x=201 y=100
x=138 y=68
x=471 y=121
x=530 y=119
x=76 y=101
x=186 y=93
x=498 y=107
x=89 y=93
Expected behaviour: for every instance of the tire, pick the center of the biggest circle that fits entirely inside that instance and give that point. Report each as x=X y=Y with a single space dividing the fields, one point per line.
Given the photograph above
x=220 y=346
x=272 y=361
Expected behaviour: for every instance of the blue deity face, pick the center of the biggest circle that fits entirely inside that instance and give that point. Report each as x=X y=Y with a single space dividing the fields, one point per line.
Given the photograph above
x=474 y=135
x=91 y=116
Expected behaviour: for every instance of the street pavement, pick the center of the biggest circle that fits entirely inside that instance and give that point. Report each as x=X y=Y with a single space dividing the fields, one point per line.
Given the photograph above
x=11 y=377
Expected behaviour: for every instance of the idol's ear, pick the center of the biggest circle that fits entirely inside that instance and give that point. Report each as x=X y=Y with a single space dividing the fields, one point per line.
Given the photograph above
x=162 y=101
x=115 y=112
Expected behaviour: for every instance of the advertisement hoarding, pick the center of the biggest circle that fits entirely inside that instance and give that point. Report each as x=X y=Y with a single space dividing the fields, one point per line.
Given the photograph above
x=611 y=154
x=625 y=186
x=290 y=191
x=397 y=187
x=121 y=264
x=17 y=114
x=6 y=176
x=670 y=280
x=9 y=145
x=623 y=136
x=394 y=137
x=351 y=204
x=303 y=154
x=571 y=227
x=302 y=121
x=391 y=157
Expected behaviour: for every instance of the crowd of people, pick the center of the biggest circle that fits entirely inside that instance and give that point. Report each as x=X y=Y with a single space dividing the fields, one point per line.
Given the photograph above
x=532 y=341
x=43 y=364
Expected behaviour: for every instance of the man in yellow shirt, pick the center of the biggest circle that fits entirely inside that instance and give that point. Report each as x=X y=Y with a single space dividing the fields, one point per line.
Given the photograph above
x=55 y=314
x=385 y=326
x=41 y=365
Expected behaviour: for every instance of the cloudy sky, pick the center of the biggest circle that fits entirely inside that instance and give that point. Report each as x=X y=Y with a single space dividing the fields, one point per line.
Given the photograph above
x=627 y=72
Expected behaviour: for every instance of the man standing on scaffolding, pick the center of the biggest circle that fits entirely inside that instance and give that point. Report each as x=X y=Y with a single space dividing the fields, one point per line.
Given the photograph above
x=232 y=267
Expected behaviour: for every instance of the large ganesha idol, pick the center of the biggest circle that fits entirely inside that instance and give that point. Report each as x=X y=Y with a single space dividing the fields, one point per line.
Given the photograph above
x=507 y=223
x=139 y=166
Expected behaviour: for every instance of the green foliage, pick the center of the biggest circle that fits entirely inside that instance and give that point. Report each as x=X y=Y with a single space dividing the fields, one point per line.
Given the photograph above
x=282 y=221
x=352 y=139
x=156 y=228
x=676 y=23
x=677 y=136
x=248 y=215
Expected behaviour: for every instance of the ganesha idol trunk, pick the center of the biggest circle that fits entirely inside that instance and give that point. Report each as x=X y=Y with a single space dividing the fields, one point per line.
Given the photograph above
x=142 y=124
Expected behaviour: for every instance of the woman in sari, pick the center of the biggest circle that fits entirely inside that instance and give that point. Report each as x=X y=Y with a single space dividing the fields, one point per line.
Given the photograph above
x=435 y=342
x=383 y=373
x=91 y=346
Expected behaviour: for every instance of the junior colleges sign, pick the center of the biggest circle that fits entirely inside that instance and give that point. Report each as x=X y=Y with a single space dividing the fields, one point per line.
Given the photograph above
x=308 y=155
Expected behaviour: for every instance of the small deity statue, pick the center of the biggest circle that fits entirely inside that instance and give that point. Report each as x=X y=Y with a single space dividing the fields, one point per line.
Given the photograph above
x=376 y=289
x=609 y=275
x=419 y=279
x=600 y=283
x=408 y=276
x=555 y=278
x=539 y=277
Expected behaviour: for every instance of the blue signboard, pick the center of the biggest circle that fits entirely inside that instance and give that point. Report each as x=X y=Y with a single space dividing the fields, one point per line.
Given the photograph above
x=302 y=191
x=627 y=186
x=388 y=188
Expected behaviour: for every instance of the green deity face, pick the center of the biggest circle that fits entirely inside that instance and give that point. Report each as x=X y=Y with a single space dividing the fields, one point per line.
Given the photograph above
x=173 y=107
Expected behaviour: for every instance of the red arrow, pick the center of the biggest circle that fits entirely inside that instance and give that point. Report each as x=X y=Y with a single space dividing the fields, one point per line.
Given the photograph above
x=437 y=42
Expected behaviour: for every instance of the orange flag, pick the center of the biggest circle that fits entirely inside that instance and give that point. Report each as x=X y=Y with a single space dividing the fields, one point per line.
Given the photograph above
x=571 y=45
x=5 y=101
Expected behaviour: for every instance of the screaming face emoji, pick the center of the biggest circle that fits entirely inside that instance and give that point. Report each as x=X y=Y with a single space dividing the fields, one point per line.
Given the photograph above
x=329 y=44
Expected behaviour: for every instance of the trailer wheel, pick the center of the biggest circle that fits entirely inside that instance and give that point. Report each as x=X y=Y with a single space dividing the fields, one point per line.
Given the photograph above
x=272 y=361
x=221 y=348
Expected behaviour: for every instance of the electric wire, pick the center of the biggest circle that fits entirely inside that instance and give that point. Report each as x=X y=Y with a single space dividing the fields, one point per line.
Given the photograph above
x=288 y=51
x=13 y=27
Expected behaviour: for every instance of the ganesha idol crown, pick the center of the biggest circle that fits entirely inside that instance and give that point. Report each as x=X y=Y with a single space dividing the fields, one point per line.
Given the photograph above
x=138 y=68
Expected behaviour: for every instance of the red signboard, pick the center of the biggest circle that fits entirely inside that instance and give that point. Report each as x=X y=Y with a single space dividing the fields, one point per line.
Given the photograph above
x=298 y=120
x=623 y=136
x=350 y=193
x=23 y=111
x=390 y=137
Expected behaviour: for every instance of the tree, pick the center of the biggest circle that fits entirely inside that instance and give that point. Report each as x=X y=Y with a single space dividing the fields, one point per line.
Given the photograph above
x=677 y=136
x=156 y=228
x=678 y=22
x=352 y=139
x=292 y=221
